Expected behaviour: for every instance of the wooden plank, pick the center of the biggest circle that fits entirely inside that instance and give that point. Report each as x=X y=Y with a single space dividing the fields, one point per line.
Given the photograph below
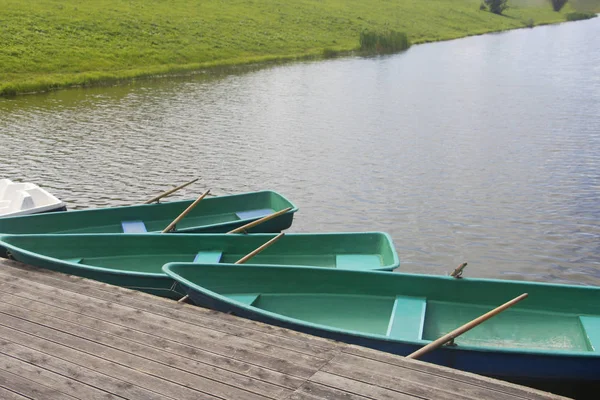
x=299 y=395
x=164 y=343
x=53 y=380
x=457 y=375
x=175 y=369
x=62 y=349
x=404 y=380
x=31 y=389
x=77 y=372
x=268 y=334
x=312 y=391
x=358 y=388
x=122 y=318
x=6 y=394
x=152 y=354
x=15 y=269
x=149 y=322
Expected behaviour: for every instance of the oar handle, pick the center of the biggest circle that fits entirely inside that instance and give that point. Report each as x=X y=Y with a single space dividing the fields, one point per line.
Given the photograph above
x=168 y=192
x=185 y=212
x=183 y=299
x=466 y=327
x=260 y=221
x=259 y=249
x=457 y=273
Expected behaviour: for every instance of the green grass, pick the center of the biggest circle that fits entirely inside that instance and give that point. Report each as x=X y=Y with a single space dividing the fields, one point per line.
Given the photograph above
x=47 y=44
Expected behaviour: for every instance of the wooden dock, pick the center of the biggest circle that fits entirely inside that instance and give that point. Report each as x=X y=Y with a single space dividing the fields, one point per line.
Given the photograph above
x=65 y=337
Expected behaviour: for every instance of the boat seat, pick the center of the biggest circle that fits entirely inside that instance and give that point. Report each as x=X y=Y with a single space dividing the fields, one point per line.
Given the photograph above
x=21 y=200
x=40 y=197
x=133 y=227
x=249 y=214
x=408 y=318
x=358 y=262
x=208 y=257
x=591 y=327
x=244 y=298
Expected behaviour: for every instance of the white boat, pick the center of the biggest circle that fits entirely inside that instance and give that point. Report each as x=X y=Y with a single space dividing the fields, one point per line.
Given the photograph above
x=18 y=198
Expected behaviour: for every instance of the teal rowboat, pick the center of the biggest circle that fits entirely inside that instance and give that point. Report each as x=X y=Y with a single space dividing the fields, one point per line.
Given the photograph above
x=212 y=215
x=554 y=334
x=135 y=261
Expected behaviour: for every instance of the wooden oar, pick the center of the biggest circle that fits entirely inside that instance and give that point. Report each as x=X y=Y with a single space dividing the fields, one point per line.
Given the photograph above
x=466 y=327
x=259 y=221
x=247 y=257
x=168 y=192
x=259 y=249
x=183 y=214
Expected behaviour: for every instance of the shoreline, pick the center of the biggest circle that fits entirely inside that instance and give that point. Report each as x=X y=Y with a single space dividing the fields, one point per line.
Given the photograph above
x=32 y=82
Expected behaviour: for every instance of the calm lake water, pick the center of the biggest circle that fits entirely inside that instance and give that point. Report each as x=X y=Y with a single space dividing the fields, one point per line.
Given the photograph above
x=484 y=149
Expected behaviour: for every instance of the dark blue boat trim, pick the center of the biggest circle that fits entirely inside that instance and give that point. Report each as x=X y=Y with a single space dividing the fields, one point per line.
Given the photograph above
x=504 y=365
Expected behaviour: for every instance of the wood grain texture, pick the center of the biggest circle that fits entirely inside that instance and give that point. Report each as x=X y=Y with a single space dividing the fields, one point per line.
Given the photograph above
x=76 y=372
x=53 y=380
x=6 y=394
x=64 y=337
x=31 y=389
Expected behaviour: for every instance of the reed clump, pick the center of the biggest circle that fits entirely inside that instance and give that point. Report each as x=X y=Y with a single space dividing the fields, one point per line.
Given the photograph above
x=530 y=23
x=576 y=16
x=330 y=53
x=383 y=42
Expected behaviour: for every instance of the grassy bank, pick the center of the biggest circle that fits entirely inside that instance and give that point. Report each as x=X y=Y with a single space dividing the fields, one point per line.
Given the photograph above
x=46 y=44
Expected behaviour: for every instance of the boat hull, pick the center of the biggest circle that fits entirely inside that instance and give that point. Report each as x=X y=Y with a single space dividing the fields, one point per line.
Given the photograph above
x=155 y=284
x=553 y=334
x=542 y=368
x=40 y=210
x=25 y=198
x=212 y=215
x=135 y=260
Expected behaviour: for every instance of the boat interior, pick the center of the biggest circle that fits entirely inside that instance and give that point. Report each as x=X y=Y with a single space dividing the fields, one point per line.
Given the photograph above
x=153 y=218
x=407 y=307
x=148 y=253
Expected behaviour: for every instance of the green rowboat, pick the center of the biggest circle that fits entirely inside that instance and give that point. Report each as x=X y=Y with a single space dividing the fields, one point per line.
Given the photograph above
x=135 y=261
x=554 y=334
x=212 y=215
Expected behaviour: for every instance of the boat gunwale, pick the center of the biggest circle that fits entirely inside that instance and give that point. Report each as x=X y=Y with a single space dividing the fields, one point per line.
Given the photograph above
x=487 y=349
x=33 y=254
x=242 y=221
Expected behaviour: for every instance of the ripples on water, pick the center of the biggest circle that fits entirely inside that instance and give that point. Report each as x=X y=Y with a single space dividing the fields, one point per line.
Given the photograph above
x=484 y=149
